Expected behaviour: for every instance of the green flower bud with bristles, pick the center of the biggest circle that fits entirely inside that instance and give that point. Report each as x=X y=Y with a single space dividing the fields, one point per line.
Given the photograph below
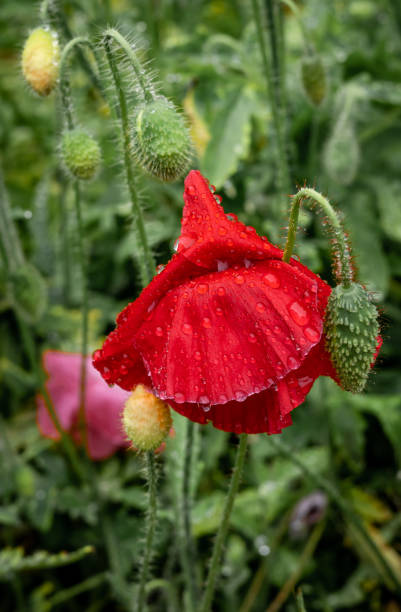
x=40 y=60
x=28 y=293
x=351 y=329
x=314 y=79
x=81 y=154
x=161 y=139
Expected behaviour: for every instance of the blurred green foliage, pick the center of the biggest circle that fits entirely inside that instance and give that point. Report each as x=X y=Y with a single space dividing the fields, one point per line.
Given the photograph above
x=208 y=61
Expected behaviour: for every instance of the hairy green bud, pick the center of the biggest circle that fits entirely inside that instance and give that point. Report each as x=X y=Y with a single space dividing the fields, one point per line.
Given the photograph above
x=313 y=77
x=81 y=154
x=341 y=157
x=28 y=293
x=162 y=143
x=40 y=60
x=351 y=329
x=146 y=419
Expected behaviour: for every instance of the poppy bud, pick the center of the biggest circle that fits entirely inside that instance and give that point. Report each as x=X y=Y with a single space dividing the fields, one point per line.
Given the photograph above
x=351 y=329
x=146 y=419
x=81 y=154
x=341 y=157
x=40 y=60
x=313 y=79
x=161 y=140
x=28 y=292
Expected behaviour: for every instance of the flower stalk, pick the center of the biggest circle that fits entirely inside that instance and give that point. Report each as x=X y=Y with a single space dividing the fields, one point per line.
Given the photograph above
x=187 y=548
x=151 y=519
x=214 y=569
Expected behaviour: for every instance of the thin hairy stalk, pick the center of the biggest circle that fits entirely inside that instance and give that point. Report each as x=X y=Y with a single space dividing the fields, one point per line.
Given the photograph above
x=271 y=68
x=136 y=65
x=214 y=569
x=151 y=516
x=169 y=590
x=86 y=585
x=306 y=555
x=345 y=507
x=84 y=315
x=343 y=271
x=187 y=548
x=145 y=257
x=11 y=244
x=299 y=601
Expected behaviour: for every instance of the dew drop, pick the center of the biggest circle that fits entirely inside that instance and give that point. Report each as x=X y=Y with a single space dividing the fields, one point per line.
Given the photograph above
x=240 y=396
x=202 y=288
x=231 y=217
x=292 y=363
x=252 y=338
x=176 y=244
x=123 y=370
x=219 y=311
x=204 y=400
x=206 y=322
x=312 y=334
x=223 y=398
x=179 y=398
x=305 y=380
x=106 y=373
x=197 y=356
x=206 y=408
x=212 y=188
x=98 y=354
x=221 y=291
x=160 y=268
x=260 y=307
x=271 y=280
x=187 y=329
x=239 y=279
x=218 y=198
x=159 y=331
x=298 y=313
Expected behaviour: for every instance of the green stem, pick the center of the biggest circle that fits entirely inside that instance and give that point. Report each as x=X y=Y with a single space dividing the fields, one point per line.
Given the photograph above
x=343 y=271
x=186 y=548
x=214 y=569
x=145 y=258
x=11 y=244
x=299 y=600
x=114 y=557
x=85 y=315
x=273 y=80
x=151 y=477
x=342 y=504
x=124 y=44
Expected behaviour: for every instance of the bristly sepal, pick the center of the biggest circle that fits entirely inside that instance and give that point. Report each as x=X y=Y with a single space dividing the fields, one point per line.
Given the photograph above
x=351 y=330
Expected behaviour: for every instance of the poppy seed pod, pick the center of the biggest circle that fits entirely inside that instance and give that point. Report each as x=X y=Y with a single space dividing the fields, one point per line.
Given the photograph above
x=81 y=154
x=161 y=140
x=314 y=79
x=40 y=60
x=351 y=329
x=146 y=419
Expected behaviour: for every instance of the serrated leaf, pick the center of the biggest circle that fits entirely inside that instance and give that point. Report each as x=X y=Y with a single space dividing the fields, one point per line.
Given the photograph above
x=230 y=138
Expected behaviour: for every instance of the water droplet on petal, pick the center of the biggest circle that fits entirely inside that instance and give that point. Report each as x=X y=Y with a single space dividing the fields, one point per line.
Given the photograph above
x=312 y=334
x=222 y=230
x=212 y=188
x=179 y=398
x=221 y=265
x=123 y=370
x=176 y=244
x=292 y=363
x=231 y=217
x=260 y=307
x=159 y=331
x=206 y=322
x=204 y=399
x=197 y=356
x=271 y=280
x=187 y=329
x=240 y=396
x=206 y=408
x=202 y=288
x=219 y=311
x=239 y=279
x=221 y=291
x=98 y=354
x=252 y=338
x=218 y=198
x=298 y=313
x=223 y=398
x=160 y=268
x=106 y=373
x=305 y=380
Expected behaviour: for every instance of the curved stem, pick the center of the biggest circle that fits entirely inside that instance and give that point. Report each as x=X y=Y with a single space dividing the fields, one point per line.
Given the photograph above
x=124 y=44
x=342 y=504
x=150 y=529
x=186 y=548
x=214 y=568
x=343 y=271
x=145 y=258
x=273 y=81
x=85 y=315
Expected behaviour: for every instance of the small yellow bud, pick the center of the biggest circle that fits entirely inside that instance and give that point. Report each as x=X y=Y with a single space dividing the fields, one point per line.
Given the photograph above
x=40 y=60
x=146 y=419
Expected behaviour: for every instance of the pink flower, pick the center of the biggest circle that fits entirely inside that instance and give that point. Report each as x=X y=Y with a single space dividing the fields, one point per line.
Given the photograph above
x=103 y=404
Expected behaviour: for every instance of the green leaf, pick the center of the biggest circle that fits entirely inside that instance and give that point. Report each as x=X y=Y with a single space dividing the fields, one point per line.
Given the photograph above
x=389 y=204
x=230 y=138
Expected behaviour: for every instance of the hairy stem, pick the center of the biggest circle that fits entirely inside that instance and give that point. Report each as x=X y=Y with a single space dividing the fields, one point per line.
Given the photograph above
x=214 y=569
x=271 y=68
x=187 y=548
x=129 y=51
x=145 y=258
x=341 y=253
x=342 y=504
x=151 y=477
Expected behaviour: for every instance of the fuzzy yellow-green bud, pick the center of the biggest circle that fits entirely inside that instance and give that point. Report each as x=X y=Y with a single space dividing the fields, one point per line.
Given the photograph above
x=162 y=143
x=81 y=154
x=314 y=79
x=40 y=60
x=351 y=330
x=146 y=419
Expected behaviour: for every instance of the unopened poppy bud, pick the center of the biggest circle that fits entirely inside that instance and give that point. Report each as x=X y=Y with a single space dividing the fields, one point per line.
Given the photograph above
x=161 y=140
x=351 y=329
x=314 y=79
x=28 y=292
x=40 y=60
x=81 y=154
x=146 y=419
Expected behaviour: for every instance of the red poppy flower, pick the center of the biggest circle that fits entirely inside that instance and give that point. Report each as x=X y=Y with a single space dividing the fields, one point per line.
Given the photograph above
x=226 y=332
